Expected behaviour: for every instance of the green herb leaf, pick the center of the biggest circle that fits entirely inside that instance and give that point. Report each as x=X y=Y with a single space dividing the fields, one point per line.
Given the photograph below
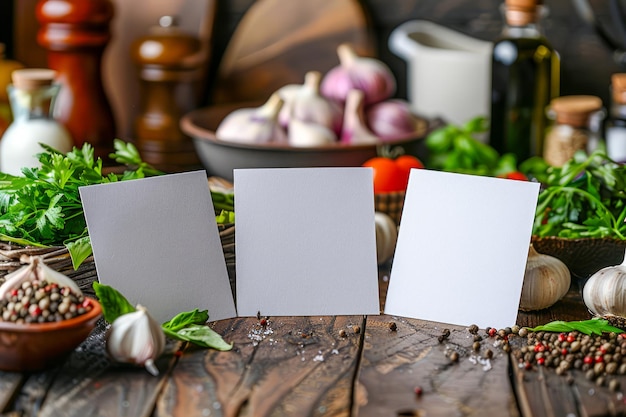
x=187 y=318
x=201 y=335
x=79 y=249
x=113 y=303
x=593 y=326
x=191 y=327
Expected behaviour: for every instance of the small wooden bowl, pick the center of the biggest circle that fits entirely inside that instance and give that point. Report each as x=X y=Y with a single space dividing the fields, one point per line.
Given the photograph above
x=34 y=347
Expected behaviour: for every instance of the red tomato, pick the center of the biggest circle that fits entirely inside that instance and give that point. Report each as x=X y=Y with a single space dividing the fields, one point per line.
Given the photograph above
x=392 y=175
x=516 y=175
x=406 y=162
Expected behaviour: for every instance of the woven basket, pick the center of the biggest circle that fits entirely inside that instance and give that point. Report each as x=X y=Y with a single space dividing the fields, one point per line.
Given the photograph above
x=390 y=204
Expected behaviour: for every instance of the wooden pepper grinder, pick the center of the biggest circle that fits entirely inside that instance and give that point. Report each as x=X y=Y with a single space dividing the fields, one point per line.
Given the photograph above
x=75 y=34
x=170 y=63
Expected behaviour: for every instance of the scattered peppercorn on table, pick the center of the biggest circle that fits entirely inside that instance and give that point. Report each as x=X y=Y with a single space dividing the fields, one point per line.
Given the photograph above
x=329 y=366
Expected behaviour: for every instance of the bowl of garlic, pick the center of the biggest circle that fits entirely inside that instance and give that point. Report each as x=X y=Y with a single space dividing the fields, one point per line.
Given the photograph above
x=43 y=317
x=340 y=118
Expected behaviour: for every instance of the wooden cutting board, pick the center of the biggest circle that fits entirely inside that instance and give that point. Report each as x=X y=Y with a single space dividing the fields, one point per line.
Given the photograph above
x=278 y=41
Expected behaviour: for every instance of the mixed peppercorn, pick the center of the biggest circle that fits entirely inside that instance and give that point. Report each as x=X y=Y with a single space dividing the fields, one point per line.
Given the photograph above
x=40 y=302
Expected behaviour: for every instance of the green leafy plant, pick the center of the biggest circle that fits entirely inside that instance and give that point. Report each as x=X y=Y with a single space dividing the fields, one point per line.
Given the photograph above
x=461 y=149
x=584 y=198
x=593 y=326
x=187 y=326
x=43 y=207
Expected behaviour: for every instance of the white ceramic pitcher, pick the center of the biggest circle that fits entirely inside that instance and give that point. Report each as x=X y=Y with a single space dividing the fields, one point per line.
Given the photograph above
x=449 y=73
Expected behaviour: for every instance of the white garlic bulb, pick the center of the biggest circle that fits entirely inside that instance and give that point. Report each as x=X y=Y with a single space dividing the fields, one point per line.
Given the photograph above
x=36 y=270
x=257 y=125
x=136 y=338
x=386 y=236
x=604 y=293
x=546 y=280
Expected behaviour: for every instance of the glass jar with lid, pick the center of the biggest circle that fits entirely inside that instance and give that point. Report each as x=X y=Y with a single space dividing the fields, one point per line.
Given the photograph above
x=616 y=124
x=32 y=97
x=574 y=127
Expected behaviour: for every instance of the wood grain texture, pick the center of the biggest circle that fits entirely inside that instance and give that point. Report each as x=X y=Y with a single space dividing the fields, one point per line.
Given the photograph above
x=88 y=384
x=296 y=366
x=395 y=363
x=10 y=383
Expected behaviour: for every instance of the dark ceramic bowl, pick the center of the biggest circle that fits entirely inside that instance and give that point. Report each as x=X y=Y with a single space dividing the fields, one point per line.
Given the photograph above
x=33 y=347
x=219 y=157
x=584 y=256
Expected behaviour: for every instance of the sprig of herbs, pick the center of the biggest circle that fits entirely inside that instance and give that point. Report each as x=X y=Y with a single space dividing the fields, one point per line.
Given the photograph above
x=43 y=207
x=594 y=326
x=585 y=198
x=187 y=326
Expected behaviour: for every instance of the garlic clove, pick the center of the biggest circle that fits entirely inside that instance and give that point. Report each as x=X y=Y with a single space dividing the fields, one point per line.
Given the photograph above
x=36 y=270
x=386 y=236
x=604 y=293
x=392 y=120
x=254 y=125
x=370 y=75
x=546 y=280
x=355 y=131
x=136 y=338
x=307 y=134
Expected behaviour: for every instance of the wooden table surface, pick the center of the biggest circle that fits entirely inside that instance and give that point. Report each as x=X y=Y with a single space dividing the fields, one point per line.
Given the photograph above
x=306 y=366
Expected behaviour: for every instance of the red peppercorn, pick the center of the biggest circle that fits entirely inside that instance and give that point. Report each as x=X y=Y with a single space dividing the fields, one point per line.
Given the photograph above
x=14 y=292
x=541 y=361
x=588 y=360
x=570 y=338
x=263 y=322
x=418 y=391
x=562 y=337
x=492 y=332
x=528 y=366
x=564 y=351
x=599 y=359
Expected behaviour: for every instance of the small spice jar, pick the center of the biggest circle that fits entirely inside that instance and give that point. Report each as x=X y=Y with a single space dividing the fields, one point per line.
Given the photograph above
x=32 y=97
x=616 y=125
x=573 y=127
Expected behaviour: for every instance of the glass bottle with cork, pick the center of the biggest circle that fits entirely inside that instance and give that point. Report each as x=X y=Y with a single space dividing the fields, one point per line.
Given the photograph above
x=615 y=134
x=572 y=128
x=32 y=97
x=525 y=77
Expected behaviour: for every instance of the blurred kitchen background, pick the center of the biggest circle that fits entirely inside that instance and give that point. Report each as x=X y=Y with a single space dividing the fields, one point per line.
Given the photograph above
x=587 y=60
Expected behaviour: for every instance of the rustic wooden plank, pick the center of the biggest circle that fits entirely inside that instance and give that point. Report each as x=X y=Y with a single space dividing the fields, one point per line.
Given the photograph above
x=294 y=366
x=395 y=363
x=89 y=384
x=10 y=383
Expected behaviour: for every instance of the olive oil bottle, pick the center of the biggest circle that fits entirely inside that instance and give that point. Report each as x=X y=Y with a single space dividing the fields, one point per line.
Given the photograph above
x=525 y=77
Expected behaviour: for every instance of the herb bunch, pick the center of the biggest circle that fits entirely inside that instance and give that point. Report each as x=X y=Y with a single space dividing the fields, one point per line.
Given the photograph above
x=43 y=207
x=585 y=198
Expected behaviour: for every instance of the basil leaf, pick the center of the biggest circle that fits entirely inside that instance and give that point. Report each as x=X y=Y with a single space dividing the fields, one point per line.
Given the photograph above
x=113 y=303
x=185 y=319
x=593 y=326
x=201 y=335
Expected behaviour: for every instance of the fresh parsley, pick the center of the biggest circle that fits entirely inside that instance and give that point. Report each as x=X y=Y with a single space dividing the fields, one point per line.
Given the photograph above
x=43 y=207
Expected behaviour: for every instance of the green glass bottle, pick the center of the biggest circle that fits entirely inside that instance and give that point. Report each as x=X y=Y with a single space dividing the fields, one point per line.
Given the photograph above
x=525 y=77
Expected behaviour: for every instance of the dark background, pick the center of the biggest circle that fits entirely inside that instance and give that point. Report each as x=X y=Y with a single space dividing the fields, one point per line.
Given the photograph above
x=587 y=61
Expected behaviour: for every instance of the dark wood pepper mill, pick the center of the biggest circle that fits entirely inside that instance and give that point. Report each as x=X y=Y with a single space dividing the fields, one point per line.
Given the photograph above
x=170 y=65
x=75 y=34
